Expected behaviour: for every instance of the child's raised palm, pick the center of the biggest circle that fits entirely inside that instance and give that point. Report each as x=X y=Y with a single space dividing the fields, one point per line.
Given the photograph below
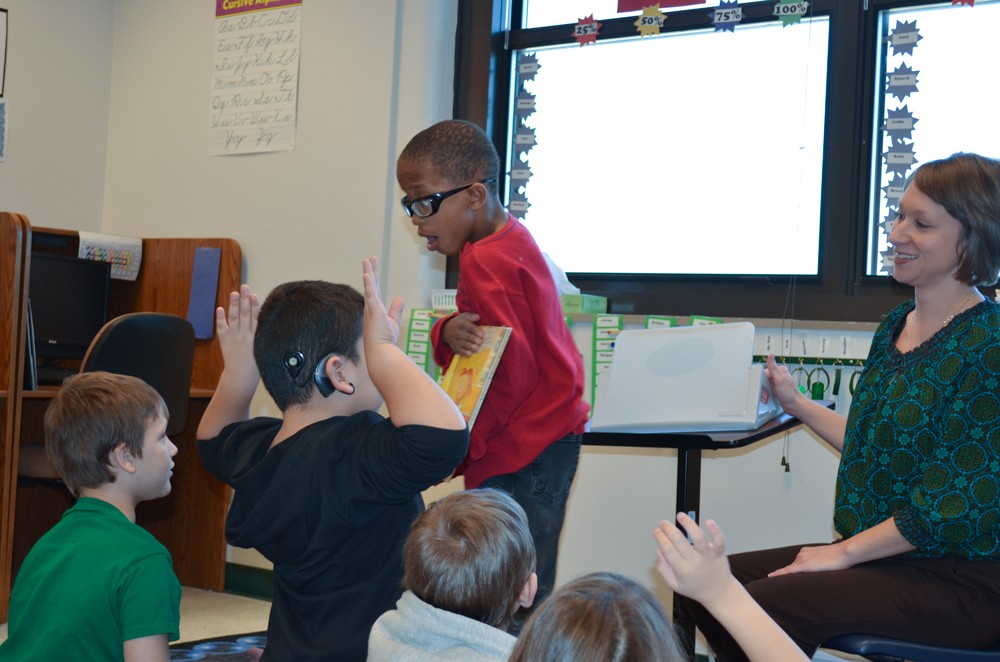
x=697 y=568
x=381 y=325
x=236 y=327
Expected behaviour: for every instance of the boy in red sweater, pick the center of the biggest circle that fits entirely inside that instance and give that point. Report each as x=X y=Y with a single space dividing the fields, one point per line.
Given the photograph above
x=526 y=440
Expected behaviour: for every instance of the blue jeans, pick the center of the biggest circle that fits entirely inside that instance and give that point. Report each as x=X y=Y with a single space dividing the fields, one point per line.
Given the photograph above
x=542 y=489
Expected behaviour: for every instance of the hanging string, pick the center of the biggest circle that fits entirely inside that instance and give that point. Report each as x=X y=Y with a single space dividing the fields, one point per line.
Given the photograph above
x=788 y=315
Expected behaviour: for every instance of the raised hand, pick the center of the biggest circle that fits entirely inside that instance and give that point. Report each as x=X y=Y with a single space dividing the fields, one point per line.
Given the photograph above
x=699 y=568
x=381 y=325
x=235 y=326
x=411 y=396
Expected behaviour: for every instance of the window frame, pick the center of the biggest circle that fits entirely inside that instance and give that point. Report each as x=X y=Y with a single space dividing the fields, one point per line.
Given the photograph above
x=841 y=291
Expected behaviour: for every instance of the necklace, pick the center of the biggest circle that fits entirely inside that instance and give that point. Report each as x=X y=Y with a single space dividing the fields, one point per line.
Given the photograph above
x=909 y=319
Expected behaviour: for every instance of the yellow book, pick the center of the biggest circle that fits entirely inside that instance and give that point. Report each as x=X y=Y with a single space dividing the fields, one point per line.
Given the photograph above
x=468 y=377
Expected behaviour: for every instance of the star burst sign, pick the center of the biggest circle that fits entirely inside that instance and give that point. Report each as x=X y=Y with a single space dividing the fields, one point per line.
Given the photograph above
x=527 y=66
x=902 y=82
x=586 y=29
x=651 y=21
x=727 y=16
x=905 y=37
x=790 y=11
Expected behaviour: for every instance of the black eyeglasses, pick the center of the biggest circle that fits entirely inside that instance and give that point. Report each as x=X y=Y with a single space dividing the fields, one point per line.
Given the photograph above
x=429 y=205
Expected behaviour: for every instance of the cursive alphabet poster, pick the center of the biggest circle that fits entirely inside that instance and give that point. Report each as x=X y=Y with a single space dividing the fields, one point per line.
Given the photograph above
x=255 y=76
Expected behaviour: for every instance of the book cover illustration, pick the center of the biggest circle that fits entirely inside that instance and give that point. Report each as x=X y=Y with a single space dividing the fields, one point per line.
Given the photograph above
x=468 y=377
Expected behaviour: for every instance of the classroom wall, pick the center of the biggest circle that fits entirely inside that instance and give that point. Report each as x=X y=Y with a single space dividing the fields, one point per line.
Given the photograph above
x=57 y=93
x=109 y=109
x=370 y=75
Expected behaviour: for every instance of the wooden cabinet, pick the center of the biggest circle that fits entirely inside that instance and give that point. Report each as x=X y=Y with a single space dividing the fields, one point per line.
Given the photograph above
x=190 y=521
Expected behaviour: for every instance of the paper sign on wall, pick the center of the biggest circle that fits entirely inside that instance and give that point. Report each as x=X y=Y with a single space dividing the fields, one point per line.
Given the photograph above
x=255 y=76
x=606 y=329
x=124 y=253
x=418 y=341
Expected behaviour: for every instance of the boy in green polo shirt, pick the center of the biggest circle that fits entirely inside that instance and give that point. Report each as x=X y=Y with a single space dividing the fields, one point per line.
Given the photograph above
x=97 y=586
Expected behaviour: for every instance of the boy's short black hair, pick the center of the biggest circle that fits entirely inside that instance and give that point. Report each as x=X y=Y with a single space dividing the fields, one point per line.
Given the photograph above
x=458 y=150
x=90 y=416
x=300 y=323
x=471 y=553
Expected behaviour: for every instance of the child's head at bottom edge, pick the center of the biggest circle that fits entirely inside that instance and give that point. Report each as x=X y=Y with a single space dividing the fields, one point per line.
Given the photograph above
x=93 y=414
x=471 y=553
x=599 y=617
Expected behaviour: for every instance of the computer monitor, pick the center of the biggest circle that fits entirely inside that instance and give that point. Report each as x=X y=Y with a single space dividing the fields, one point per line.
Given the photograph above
x=69 y=303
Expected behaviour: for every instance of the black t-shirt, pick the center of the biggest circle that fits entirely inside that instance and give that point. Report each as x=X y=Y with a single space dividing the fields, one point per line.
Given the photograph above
x=330 y=507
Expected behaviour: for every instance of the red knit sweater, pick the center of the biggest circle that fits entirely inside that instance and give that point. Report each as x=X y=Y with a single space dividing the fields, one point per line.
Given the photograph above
x=535 y=397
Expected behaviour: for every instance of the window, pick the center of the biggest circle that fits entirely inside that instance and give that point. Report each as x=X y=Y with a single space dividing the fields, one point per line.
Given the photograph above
x=943 y=100
x=777 y=128
x=543 y=13
x=635 y=160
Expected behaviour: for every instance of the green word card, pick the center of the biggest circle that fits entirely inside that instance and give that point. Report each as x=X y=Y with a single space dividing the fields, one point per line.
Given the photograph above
x=606 y=329
x=418 y=341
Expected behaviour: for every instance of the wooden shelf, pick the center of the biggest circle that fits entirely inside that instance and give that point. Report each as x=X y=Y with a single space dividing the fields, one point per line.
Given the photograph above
x=190 y=521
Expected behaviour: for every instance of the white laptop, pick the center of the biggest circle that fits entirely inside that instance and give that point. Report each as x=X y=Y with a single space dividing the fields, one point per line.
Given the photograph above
x=684 y=379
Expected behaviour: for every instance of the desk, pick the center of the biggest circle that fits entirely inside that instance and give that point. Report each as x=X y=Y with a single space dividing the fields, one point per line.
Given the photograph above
x=689 y=446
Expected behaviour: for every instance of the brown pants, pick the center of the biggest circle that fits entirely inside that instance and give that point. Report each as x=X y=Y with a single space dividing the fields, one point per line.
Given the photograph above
x=947 y=601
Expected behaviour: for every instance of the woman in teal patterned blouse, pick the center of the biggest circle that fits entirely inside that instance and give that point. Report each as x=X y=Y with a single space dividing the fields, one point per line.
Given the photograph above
x=918 y=488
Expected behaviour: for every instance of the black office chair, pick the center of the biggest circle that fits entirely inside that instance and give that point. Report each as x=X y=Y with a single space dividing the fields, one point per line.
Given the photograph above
x=886 y=649
x=155 y=347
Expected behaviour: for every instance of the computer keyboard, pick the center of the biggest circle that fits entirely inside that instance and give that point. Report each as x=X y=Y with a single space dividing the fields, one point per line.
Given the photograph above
x=53 y=375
